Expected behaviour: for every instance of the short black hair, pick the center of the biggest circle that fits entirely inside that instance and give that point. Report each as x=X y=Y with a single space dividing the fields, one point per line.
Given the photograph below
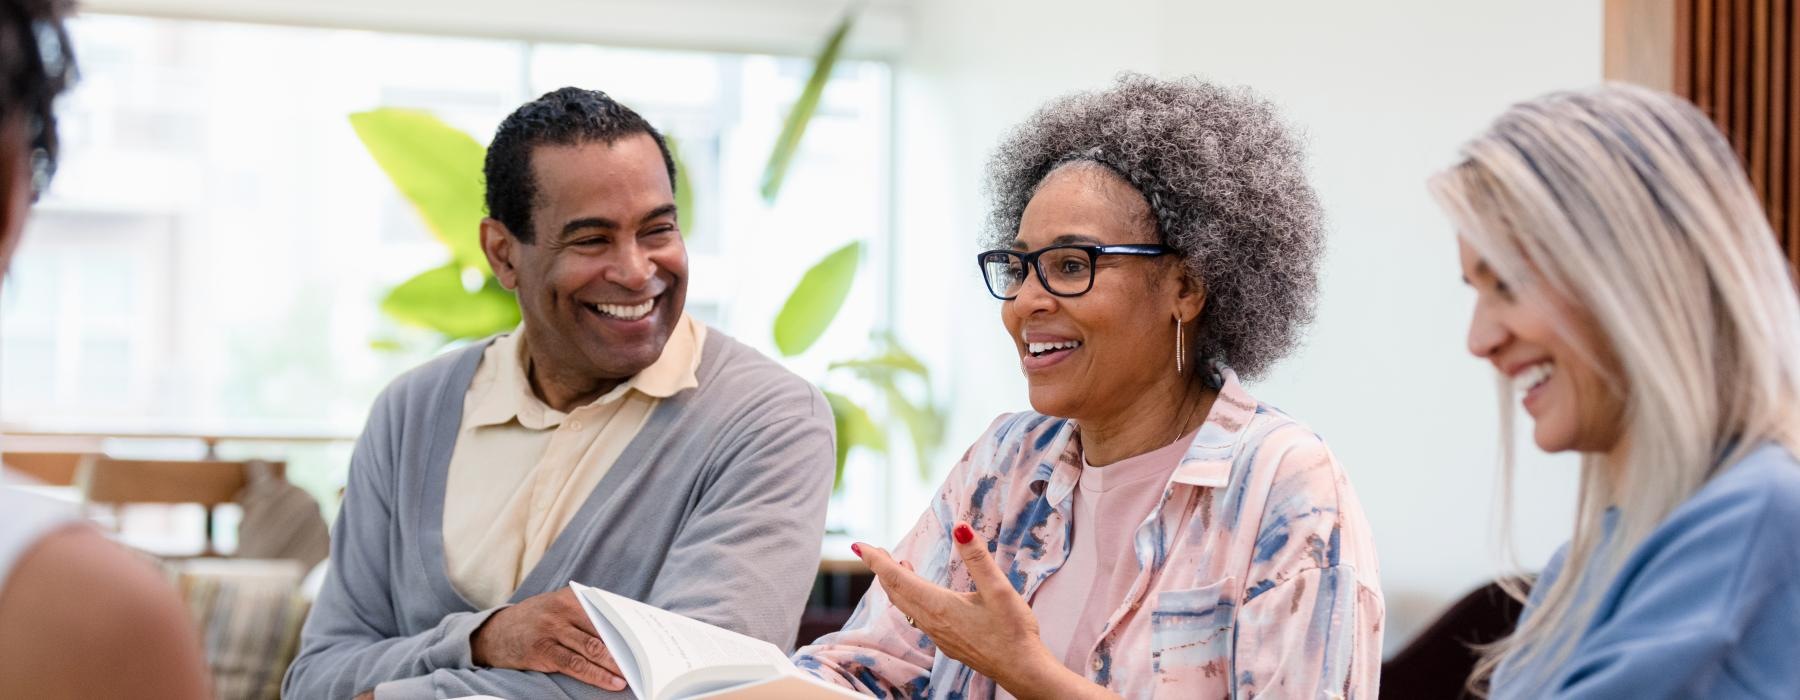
x=564 y=117
x=37 y=63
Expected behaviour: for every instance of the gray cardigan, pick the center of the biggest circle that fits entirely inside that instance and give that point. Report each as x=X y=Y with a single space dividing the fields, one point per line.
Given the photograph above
x=715 y=510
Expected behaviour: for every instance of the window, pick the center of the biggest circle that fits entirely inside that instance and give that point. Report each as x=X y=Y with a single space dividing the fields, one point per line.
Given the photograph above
x=212 y=253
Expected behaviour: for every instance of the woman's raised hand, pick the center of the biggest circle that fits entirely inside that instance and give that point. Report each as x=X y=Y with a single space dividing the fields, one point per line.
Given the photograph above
x=991 y=630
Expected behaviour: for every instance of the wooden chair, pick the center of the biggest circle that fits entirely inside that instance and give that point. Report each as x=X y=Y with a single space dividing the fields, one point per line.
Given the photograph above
x=209 y=483
x=48 y=468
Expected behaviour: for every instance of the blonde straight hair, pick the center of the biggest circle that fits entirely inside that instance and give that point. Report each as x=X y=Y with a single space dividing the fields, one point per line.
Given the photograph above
x=1629 y=206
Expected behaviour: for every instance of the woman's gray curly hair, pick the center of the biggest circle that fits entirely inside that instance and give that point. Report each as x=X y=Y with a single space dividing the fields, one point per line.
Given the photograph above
x=1225 y=181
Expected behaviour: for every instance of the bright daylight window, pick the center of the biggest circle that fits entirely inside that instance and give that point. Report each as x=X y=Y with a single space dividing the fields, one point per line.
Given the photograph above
x=212 y=254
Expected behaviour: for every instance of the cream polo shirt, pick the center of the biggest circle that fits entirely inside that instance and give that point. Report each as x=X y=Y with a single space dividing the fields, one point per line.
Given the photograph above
x=521 y=469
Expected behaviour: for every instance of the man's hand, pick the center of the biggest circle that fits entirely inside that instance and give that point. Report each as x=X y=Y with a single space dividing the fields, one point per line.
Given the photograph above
x=549 y=633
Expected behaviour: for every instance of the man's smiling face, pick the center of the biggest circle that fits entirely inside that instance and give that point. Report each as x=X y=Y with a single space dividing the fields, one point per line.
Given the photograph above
x=604 y=280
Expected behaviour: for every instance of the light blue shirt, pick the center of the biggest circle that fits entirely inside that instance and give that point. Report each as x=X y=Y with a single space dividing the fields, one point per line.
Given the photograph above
x=1707 y=607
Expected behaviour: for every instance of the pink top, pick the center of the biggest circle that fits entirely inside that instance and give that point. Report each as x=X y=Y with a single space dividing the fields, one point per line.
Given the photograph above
x=1255 y=575
x=1110 y=502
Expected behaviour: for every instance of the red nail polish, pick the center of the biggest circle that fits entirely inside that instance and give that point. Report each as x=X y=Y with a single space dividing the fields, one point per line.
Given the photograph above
x=856 y=549
x=963 y=533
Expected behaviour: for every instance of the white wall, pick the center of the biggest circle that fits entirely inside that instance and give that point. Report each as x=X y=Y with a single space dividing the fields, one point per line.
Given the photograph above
x=1385 y=92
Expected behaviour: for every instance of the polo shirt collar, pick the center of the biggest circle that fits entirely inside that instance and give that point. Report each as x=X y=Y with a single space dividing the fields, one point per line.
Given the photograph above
x=511 y=397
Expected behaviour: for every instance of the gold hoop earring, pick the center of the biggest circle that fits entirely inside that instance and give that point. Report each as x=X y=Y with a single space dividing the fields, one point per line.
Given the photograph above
x=1179 y=346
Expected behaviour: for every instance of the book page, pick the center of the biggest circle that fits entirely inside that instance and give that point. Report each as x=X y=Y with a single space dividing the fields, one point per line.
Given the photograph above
x=665 y=646
x=788 y=686
x=616 y=643
x=707 y=680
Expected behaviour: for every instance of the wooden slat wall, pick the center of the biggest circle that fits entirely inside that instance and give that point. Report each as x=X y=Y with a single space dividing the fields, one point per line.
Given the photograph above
x=1739 y=61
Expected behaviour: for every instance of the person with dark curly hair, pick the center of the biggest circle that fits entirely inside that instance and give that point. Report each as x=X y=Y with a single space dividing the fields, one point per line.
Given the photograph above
x=1149 y=529
x=80 y=616
x=611 y=439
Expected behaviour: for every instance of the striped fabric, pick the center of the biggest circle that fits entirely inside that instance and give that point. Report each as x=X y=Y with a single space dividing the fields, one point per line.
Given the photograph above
x=1257 y=575
x=249 y=612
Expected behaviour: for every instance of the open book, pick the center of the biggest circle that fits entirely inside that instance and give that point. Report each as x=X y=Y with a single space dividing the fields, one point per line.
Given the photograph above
x=666 y=656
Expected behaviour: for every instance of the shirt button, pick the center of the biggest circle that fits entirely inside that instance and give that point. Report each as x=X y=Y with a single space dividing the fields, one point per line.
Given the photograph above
x=1097 y=663
x=575 y=425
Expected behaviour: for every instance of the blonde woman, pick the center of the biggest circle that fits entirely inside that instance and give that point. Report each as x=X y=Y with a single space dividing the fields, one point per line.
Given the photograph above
x=1630 y=291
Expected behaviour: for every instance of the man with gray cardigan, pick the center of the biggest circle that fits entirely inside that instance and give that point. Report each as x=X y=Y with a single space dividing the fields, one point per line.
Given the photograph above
x=611 y=440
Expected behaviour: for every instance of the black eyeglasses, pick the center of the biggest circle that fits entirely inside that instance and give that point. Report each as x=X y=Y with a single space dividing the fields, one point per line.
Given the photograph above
x=1064 y=270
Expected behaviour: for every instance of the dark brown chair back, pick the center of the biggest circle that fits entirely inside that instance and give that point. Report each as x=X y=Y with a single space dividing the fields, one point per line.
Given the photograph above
x=1437 y=663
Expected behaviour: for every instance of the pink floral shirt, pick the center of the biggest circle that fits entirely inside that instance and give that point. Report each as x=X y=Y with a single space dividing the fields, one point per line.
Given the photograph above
x=1256 y=572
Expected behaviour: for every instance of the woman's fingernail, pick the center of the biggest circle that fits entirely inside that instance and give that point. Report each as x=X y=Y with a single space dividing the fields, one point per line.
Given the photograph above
x=963 y=533
x=856 y=548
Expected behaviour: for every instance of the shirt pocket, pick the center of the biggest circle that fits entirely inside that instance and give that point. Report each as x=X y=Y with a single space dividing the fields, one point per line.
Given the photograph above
x=1190 y=639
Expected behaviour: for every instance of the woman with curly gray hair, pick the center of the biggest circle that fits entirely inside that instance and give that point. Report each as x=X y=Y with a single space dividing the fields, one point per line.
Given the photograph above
x=1149 y=529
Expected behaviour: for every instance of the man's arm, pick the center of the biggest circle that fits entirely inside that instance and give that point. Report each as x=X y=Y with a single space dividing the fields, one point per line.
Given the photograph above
x=352 y=645
x=746 y=558
x=351 y=641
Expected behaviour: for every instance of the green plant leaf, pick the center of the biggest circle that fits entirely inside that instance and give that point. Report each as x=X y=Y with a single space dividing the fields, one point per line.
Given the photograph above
x=854 y=429
x=438 y=168
x=684 y=192
x=801 y=114
x=436 y=299
x=923 y=423
x=894 y=360
x=814 y=303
